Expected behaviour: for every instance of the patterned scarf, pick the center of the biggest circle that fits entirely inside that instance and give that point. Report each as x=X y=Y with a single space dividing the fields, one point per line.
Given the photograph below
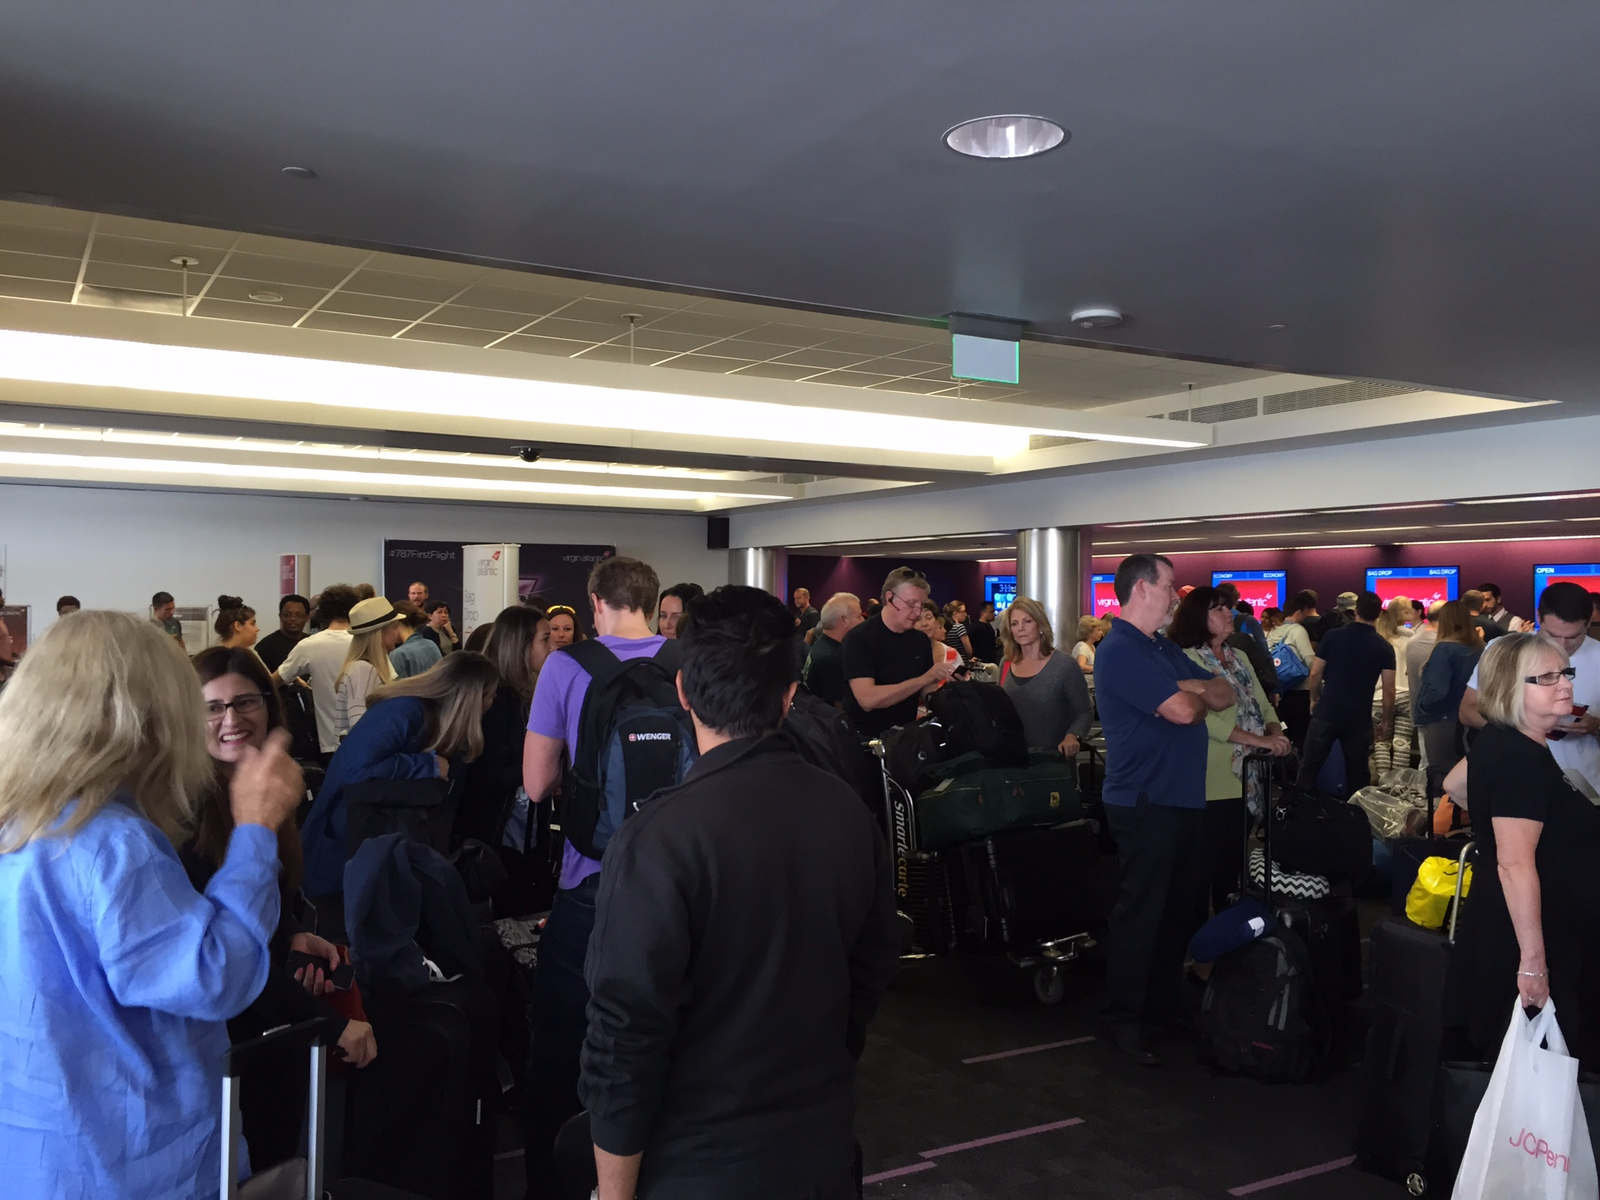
x=1249 y=716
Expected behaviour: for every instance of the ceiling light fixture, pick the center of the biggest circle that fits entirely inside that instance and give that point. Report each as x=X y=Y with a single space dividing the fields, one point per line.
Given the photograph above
x=1011 y=135
x=413 y=483
x=299 y=172
x=266 y=297
x=1530 y=499
x=1564 y=537
x=1097 y=316
x=1288 y=549
x=192 y=370
x=1276 y=328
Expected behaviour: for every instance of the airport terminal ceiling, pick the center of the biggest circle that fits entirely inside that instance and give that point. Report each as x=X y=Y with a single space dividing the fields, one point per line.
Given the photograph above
x=1404 y=190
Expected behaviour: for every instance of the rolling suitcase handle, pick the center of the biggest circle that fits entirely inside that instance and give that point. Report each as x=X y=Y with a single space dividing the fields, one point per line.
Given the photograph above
x=319 y=1035
x=1461 y=878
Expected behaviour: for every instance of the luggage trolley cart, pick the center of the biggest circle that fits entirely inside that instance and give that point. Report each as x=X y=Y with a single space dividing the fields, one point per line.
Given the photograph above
x=1030 y=894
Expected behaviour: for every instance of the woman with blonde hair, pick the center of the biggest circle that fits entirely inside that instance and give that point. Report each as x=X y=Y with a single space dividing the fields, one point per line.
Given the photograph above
x=376 y=628
x=1531 y=931
x=1047 y=686
x=1090 y=631
x=116 y=976
x=429 y=726
x=1393 y=625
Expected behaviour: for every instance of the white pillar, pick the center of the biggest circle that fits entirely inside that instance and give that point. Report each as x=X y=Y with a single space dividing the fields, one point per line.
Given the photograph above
x=762 y=567
x=1050 y=569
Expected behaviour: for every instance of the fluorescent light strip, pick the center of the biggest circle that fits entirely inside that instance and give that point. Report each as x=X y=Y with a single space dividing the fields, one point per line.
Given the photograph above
x=1387 y=508
x=357 y=479
x=1530 y=499
x=189 y=441
x=1558 y=537
x=100 y=362
x=1287 y=549
x=1200 y=520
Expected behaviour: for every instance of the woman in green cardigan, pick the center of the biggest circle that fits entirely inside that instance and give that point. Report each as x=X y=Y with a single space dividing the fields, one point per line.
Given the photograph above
x=1202 y=626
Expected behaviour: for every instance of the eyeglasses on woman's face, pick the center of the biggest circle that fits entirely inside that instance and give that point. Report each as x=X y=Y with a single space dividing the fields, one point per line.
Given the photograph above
x=248 y=705
x=1551 y=678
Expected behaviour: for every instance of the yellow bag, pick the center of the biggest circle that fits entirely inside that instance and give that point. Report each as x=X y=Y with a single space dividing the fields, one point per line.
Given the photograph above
x=1428 y=903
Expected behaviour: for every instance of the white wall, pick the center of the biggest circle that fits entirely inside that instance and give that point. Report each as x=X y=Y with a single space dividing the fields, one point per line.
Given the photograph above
x=1505 y=459
x=113 y=548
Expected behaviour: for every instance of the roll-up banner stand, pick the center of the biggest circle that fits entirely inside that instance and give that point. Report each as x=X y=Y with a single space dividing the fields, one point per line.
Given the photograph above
x=489 y=578
x=294 y=575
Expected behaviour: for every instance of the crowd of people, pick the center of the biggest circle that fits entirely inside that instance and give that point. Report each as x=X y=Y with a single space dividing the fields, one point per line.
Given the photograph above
x=173 y=884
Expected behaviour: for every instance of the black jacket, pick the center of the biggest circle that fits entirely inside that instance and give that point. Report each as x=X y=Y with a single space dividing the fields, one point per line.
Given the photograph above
x=744 y=935
x=492 y=779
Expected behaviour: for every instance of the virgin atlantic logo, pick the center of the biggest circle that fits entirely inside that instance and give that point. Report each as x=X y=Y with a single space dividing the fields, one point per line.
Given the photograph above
x=1539 y=1148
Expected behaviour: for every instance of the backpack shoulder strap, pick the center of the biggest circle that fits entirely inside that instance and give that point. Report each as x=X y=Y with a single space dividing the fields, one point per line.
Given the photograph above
x=596 y=658
x=604 y=667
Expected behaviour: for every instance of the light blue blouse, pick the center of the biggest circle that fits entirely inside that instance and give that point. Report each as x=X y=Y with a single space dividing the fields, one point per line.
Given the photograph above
x=116 y=978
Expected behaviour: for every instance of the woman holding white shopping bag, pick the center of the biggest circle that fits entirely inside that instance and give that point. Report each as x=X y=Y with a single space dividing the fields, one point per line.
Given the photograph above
x=1532 y=926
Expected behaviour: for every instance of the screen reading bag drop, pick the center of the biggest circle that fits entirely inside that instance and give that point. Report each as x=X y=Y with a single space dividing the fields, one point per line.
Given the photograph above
x=1427 y=584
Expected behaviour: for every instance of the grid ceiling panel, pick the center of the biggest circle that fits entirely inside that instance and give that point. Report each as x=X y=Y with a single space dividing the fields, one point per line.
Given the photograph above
x=468 y=305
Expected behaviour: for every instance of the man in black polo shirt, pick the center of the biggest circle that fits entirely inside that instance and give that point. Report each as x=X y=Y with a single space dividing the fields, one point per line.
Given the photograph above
x=1153 y=702
x=823 y=673
x=888 y=663
x=1349 y=664
x=726 y=1017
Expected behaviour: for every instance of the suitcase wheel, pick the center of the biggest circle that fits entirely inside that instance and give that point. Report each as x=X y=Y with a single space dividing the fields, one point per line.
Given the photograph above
x=1049 y=984
x=1417 y=1183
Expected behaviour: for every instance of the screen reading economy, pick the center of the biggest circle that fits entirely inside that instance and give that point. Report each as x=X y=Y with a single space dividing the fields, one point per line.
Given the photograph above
x=1427 y=584
x=1258 y=589
x=1000 y=591
x=1585 y=575
x=1105 y=596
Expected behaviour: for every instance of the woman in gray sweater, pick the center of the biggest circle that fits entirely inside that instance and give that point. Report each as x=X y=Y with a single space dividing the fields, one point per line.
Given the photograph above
x=1045 y=684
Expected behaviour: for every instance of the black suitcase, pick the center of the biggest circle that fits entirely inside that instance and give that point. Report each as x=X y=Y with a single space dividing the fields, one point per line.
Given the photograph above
x=1399 y=1076
x=1265 y=1012
x=980 y=718
x=299 y=1176
x=426 y=1119
x=1319 y=835
x=1015 y=892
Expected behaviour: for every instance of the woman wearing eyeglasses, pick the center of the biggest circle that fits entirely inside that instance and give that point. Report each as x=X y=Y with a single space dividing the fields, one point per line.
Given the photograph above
x=242 y=707
x=1532 y=924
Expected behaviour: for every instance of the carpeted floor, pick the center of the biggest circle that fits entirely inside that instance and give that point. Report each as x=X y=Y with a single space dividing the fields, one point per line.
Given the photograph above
x=1173 y=1132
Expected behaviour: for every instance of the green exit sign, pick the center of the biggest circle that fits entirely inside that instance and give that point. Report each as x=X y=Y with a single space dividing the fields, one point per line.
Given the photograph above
x=991 y=360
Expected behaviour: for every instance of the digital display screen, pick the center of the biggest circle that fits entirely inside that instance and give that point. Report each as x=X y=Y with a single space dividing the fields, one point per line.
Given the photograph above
x=1105 y=596
x=1000 y=591
x=1427 y=584
x=1258 y=589
x=1585 y=575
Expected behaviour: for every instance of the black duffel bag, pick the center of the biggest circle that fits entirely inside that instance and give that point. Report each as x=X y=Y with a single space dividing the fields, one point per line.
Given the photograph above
x=420 y=810
x=1314 y=834
x=979 y=718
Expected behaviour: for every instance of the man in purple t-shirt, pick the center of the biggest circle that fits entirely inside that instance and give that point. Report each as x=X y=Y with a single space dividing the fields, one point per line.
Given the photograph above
x=623 y=594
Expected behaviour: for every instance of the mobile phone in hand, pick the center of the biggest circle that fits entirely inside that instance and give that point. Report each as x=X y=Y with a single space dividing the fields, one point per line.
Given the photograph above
x=341 y=978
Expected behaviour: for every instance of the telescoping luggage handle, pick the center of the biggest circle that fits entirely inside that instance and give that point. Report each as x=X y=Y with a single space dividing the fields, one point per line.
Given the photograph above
x=319 y=1034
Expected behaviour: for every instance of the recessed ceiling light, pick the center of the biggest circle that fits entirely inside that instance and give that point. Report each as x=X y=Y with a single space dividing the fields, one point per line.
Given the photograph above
x=267 y=297
x=185 y=261
x=1009 y=136
x=1278 y=326
x=1097 y=316
x=299 y=172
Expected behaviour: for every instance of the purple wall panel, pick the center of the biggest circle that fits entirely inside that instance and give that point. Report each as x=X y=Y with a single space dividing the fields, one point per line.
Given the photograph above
x=824 y=575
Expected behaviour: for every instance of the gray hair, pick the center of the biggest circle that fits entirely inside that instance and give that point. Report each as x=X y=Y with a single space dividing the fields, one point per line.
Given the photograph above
x=837 y=606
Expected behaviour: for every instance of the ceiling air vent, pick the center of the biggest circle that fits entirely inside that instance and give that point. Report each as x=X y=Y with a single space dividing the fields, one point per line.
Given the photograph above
x=1232 y=410
x=1323 y=397
x=1044 y=441
x=105 y=297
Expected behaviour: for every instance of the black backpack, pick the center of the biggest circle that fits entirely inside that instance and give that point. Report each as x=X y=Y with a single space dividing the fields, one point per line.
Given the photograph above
x=1259 y=1014
x=634 y=738
x=980 y=718
x=824 y=737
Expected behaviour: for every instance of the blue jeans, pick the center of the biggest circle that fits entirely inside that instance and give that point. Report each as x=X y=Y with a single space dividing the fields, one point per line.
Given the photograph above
x=559 y=1021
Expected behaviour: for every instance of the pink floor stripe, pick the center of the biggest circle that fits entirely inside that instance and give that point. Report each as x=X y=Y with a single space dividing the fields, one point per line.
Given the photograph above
x=1291 y=1177
x=1002 y=1137
x=899 y=1171
x=1027 y=1050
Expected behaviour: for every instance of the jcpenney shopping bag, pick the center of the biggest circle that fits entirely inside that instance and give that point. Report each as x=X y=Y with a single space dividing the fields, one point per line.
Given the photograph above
x=1529 y=1139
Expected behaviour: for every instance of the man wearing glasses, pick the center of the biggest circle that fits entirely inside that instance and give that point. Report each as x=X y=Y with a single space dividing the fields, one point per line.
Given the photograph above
x=888 y=663
x=1564 y=610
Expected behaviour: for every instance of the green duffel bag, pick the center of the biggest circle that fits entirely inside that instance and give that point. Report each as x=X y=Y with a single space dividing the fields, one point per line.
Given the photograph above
x=966 y=807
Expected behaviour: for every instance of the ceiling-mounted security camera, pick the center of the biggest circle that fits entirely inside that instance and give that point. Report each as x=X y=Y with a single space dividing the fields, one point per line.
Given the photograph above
x=528 y=454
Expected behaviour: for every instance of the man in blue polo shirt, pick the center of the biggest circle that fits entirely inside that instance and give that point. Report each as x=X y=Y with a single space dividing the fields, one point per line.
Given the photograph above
x=1153 y=701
